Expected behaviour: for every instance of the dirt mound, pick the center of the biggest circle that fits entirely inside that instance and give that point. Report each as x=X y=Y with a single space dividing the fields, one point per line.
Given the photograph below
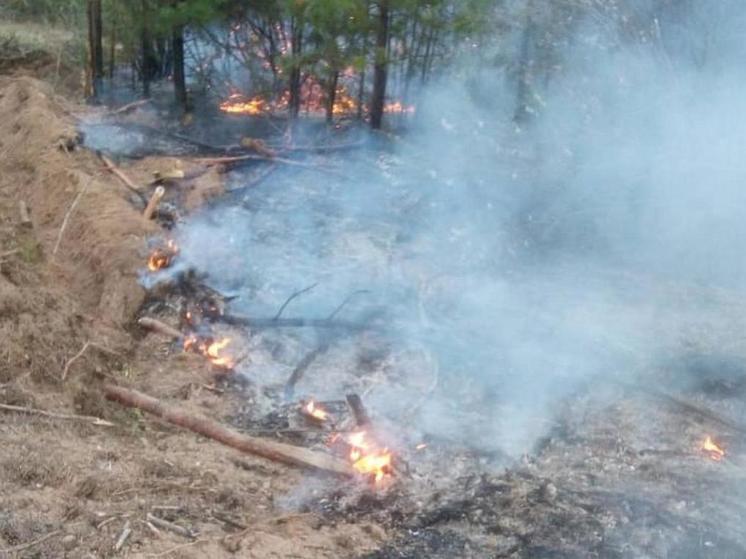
x=72 y=276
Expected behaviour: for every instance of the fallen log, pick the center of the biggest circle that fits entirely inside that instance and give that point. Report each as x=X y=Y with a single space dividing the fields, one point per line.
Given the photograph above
x=277 y=452
x=160 y=327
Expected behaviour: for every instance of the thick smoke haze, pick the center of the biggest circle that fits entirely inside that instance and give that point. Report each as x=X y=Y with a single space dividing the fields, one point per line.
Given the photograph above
x=524 y=261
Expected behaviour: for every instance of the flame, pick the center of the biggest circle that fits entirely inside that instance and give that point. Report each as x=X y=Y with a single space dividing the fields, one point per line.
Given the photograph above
x=398 y=107
x=716 y=453
x=238 y=104
x=312 y=101
x=367 y=459
x=210 y=350
x=161 y=257
x=316 y=412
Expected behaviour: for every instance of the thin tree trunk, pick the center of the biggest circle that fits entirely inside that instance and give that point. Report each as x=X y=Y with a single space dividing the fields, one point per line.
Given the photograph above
x=149 y=63
x=361 y=94
x=112 y=50
x=95 y=46
x=177 y=46
x=294 y=82
x=331 y=96
x=380 y=66
x=525 y=70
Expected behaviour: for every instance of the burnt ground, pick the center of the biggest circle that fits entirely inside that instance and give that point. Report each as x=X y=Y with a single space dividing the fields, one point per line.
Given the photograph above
x=621 y=474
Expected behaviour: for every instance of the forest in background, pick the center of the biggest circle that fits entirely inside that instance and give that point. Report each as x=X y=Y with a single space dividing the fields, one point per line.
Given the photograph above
x=358 y=58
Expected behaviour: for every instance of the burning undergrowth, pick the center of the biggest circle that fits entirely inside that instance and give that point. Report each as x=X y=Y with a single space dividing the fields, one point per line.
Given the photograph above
x=490 y=308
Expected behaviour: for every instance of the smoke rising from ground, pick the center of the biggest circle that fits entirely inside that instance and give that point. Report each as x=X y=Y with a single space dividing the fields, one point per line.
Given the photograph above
x=528 y=260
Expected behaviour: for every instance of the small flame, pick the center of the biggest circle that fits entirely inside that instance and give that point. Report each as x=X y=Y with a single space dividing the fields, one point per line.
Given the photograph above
x=210 y=350
x=213 y=353
x=716 y=452
x=315 y=411
x=367 y=459
x=161 y=257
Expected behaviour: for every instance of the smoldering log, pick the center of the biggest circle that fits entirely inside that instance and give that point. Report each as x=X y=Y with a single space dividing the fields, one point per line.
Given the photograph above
x=277 y=452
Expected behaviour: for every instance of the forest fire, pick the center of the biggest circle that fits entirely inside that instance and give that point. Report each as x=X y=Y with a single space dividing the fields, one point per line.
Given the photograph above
x=211 y=349
x=238 y=104
x=714 y=451
x=367 y=459
x=162 y=257
x=396 y=107
x=314 y=411
x=312 y=102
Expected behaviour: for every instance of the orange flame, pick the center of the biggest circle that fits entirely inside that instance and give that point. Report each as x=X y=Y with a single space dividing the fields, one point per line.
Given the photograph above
x=367 y=459
x=211 y=350
x=315 y=411
x=238 y=104
x=716 y=453
x=161 y=257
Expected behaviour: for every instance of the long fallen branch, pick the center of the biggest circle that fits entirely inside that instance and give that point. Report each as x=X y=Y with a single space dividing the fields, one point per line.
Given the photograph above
x=301 y=368
x=251 y=157
x=262 y=323
x=277 y=452
x=126 y=181
x=33 y=411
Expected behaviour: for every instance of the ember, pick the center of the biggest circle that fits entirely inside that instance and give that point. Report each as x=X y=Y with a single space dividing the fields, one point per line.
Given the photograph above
x=367 y=459
x=162 y=257
x=713 y=450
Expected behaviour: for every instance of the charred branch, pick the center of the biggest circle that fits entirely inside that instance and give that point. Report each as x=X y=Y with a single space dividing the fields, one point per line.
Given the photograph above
x=362 y=419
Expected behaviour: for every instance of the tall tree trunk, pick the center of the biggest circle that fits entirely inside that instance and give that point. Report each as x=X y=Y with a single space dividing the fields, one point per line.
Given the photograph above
x=331 y=96
x=361 y=94
x=112 y=50
x=294 y=81
x=177 y=46
x=525 y=71
x=95 y=46
x=149 y=63
x=379 y=69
